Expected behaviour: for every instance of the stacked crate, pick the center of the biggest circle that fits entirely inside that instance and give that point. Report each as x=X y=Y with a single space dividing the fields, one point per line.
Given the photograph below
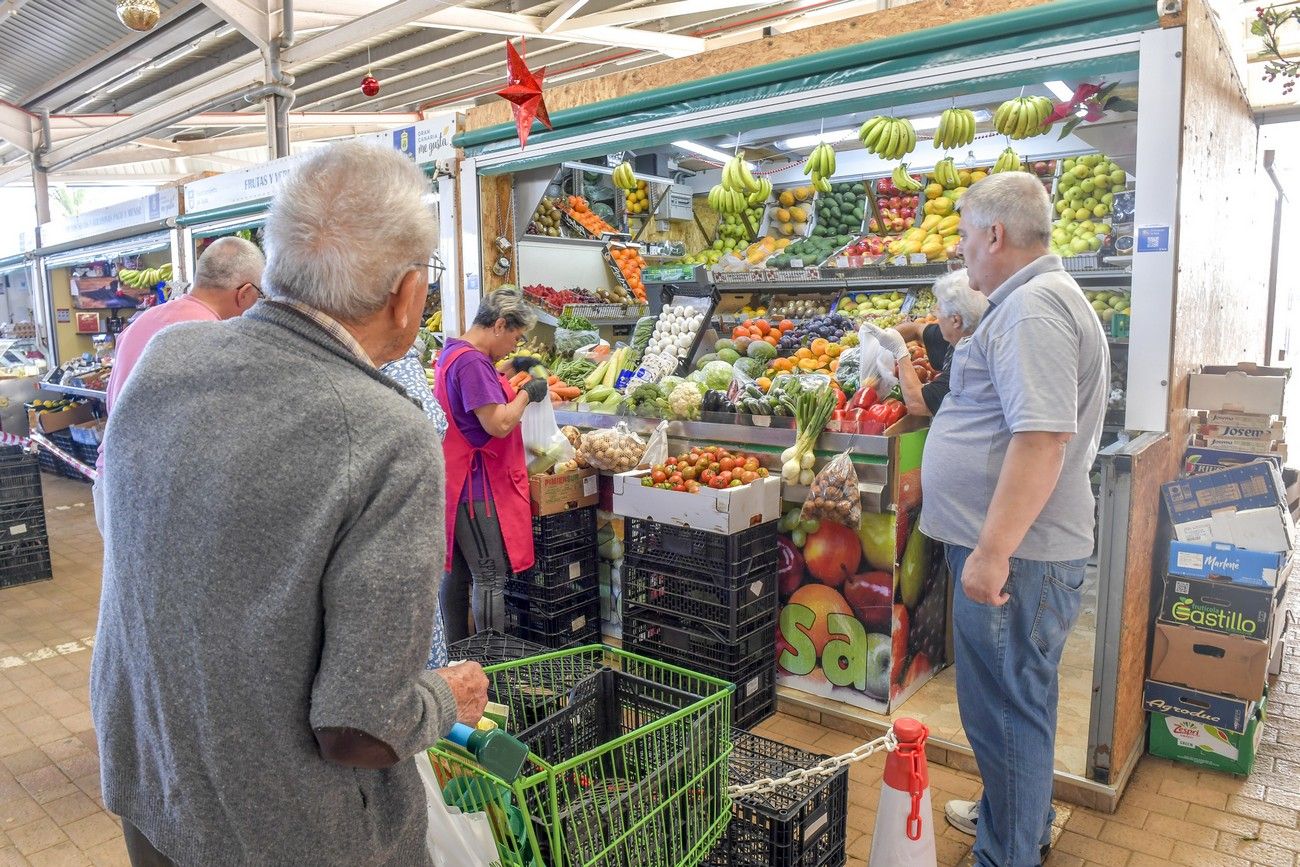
x=24 y=544
x=706 y=602
x=801 y=825
x=557 y=602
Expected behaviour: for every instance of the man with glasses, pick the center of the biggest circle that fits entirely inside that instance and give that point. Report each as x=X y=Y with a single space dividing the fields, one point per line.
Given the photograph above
x=227 y=282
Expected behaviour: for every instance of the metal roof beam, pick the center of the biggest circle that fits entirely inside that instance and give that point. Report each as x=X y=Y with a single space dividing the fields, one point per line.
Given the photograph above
x=18 y=127
x=119 y=101
x=413 y=12
x=654 y=12
x=561 y=13
x=251 y=19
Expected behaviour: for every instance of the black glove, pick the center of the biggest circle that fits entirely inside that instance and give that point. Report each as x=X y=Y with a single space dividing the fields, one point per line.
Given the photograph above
x=524 y=363
x=536 y=389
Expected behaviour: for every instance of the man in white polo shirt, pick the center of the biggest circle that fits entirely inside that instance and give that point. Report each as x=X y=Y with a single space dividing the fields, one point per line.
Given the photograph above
x=1006 y=467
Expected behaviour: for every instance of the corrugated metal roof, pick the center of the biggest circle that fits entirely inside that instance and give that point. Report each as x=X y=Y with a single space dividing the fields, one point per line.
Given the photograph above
x=48 y=36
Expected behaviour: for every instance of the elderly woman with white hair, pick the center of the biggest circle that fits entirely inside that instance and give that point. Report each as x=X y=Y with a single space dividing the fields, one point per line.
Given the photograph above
x=258 y=686
x=959 y=309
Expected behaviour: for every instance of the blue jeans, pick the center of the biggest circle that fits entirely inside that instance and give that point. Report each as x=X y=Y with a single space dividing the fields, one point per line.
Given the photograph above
x=1007 y=659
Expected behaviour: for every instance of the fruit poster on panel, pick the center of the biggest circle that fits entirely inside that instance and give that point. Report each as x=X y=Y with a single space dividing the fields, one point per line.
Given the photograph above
x=863 y=609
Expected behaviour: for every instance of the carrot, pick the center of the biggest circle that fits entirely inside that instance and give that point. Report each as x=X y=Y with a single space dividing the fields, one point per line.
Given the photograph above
x=552 y=380
x=568 y=392
x=519 y=379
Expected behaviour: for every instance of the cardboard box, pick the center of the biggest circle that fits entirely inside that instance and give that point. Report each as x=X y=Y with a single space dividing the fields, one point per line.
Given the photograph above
x=551 y=495
x=725 y=511
x=1199 y=460
x=1243 y=506
x=1220 y=560
x=1242 y=426
x=1215 y=605
x=1221 y=711
x=1199 y=743
x=52 y=422
x=1239 y=388
x=1260 y=448
x=1210 y=662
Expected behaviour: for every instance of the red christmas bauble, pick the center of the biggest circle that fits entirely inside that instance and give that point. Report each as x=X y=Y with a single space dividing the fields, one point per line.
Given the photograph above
x=370 y=86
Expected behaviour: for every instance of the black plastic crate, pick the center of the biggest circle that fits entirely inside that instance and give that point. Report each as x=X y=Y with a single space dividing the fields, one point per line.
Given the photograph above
x=86 y=453
x=732 y=604
x=755 y=697
x=795 y=826
x=20 y=475
x=554 y=532
x=490 y=647
x=727 y=556
x=49 y=461
x=697 y=646
x=534 y=586
x=21 y=522
x=25 y=561
x=567 y=562
x=579 y=624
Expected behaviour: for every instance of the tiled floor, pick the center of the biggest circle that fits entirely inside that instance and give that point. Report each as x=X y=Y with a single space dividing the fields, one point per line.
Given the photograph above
x=50 y=812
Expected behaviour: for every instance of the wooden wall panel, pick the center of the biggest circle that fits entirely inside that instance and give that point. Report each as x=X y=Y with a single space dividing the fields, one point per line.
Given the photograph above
x=1142 y=574
x=496 y=194
x=902 y=18
x=1223 y=232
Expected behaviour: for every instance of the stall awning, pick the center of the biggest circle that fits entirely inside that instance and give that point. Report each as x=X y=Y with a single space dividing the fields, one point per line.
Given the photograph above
x=232 y=212
x=132 y=246
x=593 y=129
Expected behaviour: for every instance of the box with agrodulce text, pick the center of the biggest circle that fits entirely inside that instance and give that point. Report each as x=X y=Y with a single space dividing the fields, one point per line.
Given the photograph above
x=1209 y=661
x=1243 y=506
x=1220 y=560
x=1199 y=460
x=1244 y=387
x=1221 y=711
x=714 y=510
x=1220 y=606
x=1209 y=746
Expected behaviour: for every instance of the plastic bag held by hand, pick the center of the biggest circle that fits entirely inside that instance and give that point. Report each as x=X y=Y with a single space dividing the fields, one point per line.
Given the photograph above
x=834 y=495
x=875 y=363
x=454 y=838
x=544 y=444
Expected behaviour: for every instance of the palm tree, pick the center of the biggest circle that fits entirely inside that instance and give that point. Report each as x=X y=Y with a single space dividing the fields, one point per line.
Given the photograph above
x=69 y=200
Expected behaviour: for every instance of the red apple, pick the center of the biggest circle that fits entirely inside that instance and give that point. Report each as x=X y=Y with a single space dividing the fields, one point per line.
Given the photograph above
x=832 y=553
x=871 y=596
x=789 y=565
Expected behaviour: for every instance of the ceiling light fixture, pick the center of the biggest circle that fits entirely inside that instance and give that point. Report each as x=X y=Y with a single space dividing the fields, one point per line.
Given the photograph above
x=706 y=151
x=1060 y=90
x=803 y=141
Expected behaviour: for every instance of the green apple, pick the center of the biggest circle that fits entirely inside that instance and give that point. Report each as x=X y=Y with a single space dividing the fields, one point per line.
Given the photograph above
x=1058 y=235
x=1117 y=178
x=1094 y=244
x=1087 y=185
x=1082 y=172
x=1079 y=245
x=1068 y=165
x=1082 y=214
x=1100 y=210
x=1103 y=228
x=1108 y=199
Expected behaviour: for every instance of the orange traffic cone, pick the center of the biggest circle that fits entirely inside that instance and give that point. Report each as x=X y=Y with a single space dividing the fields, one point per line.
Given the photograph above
x=904 y=836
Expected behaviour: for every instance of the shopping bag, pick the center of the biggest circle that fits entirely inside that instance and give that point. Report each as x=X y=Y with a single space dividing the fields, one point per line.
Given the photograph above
x=455 y=839
x=543 y=442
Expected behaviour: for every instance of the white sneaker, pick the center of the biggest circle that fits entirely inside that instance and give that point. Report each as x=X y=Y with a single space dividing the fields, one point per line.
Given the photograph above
x=962 y=815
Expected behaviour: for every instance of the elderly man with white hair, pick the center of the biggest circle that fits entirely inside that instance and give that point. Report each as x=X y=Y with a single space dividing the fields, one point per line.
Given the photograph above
x=258 y=684
x=959 y=310
x=1006 y=480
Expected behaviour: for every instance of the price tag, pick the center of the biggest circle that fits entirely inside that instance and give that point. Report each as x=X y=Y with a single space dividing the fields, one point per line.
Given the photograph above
x=898 y=260
x=796 y=263
x=917 y=259
x=812 y=273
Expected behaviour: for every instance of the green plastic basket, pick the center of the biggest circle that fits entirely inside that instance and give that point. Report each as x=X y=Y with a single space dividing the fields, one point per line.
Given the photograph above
x=627 y=763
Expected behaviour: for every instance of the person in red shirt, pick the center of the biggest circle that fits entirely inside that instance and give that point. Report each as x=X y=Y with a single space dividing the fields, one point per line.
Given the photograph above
x=227 y=282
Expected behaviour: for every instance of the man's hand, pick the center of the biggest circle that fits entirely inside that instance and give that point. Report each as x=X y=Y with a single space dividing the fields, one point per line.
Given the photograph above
x=891 y=340
x=469 y=684
x=984 y=578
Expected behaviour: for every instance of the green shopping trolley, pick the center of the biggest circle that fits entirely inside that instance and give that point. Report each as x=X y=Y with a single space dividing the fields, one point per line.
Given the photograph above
x=627 y=762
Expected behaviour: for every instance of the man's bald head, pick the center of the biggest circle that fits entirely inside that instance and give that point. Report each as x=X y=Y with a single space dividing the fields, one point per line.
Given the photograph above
x=227 y=264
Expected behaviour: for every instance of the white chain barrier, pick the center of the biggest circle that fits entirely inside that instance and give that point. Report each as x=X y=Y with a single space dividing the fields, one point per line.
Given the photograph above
x=888 y=742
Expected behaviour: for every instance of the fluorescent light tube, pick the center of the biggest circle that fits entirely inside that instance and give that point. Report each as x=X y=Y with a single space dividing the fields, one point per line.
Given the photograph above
x=802 y=141
x=1060 y=90
x=703 y=150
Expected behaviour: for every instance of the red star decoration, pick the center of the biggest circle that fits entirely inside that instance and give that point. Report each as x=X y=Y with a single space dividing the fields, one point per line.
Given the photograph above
x=524 y=92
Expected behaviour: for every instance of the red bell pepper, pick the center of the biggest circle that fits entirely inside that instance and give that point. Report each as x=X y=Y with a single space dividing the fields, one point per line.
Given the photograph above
x=879 y=412
x=896 y=410
x=870 y=427
x=864 y=398
x=840 y=399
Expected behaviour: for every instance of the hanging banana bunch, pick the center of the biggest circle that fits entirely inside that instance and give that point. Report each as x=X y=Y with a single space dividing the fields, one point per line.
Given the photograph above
x=739 y=187
x=904 y=181
x=1023 y=117
x=624 y=178
x=1008 y=161
x=891 y=138
x=956 y=128
x=945 y=172
x=820 y=167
